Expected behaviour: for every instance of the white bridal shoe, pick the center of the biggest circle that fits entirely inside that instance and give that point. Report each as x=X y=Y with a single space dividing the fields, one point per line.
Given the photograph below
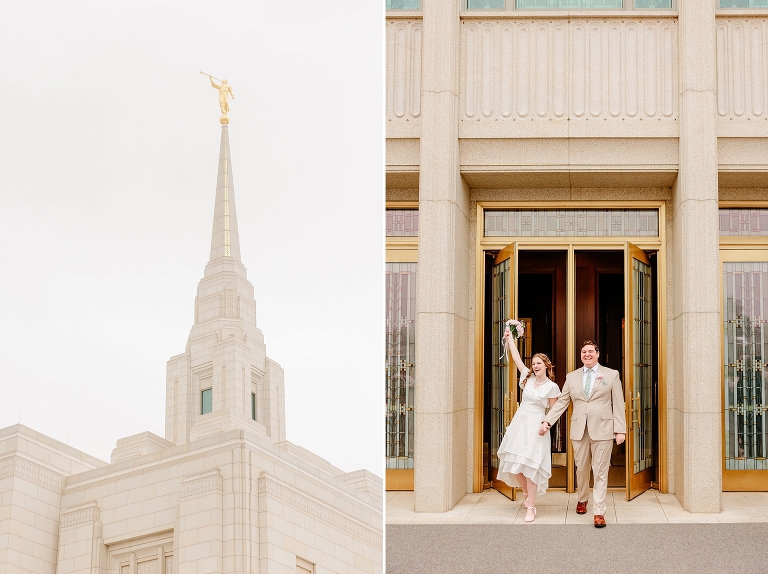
x=531 y=514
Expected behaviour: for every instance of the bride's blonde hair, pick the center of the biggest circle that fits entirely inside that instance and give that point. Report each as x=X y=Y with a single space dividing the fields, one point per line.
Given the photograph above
x=550 y=368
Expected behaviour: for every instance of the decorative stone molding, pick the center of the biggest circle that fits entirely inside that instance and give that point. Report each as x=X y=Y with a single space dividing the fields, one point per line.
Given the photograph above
x=88 y=512
x=204 y=338
x=606 y=69
x=741 y=68
x=202 y=483
x=202 y=366
x=148 y=567
x=403 y=70
x=223 y=276
x=271 y=487
x=31 y=472
x=231 y=341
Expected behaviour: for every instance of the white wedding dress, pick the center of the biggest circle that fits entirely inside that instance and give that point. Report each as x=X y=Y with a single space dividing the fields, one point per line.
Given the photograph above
x=522 y=450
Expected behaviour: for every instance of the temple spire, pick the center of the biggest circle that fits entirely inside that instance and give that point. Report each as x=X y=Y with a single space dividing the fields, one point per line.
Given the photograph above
x=225 y=241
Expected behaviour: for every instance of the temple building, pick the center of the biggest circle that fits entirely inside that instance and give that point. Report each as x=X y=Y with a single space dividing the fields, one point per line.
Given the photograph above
x=597 y=169
x=222 y=492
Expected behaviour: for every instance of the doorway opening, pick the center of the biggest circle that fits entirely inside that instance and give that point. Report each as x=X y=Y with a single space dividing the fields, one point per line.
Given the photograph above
x=592 y=304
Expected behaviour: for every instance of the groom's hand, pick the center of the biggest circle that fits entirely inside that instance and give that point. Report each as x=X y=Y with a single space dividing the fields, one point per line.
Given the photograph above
x=543 y=429
x=620 y=437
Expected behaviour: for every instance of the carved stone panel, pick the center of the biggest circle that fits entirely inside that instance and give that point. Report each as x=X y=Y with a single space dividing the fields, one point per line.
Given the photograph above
x=742 y=75
x=519 y=76
x=404 y=75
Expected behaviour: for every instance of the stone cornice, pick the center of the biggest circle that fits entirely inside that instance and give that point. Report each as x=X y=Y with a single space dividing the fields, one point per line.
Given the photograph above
x=231 y=340
x=203 y=338
x=31 y=472
x=206 y=299
x=224 y=276
x=88 y=512
x=202 y=483
x=202 y=366
x=175 y=455
x=271 y=487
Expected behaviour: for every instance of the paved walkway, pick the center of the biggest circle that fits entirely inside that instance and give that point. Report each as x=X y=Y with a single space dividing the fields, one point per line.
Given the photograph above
x=558 y=507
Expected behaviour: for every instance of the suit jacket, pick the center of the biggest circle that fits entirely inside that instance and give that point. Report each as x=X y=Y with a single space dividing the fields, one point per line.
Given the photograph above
x=603 y=412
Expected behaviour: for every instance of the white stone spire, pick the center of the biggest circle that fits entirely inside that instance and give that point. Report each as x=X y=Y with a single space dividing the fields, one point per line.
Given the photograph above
x=224 y=379
x=225 y=241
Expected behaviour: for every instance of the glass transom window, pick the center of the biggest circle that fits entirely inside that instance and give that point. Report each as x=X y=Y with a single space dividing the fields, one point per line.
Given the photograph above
x=570 y=4
x=402 y=222
x=572 y=223
x=743 y=3
x=744 y=222
x=403 y=4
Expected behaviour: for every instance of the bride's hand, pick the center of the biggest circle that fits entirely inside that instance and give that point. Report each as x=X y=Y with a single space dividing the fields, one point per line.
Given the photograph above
x=543 y=429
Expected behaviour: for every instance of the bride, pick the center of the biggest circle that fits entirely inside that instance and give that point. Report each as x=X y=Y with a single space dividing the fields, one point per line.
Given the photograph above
x=523 y=454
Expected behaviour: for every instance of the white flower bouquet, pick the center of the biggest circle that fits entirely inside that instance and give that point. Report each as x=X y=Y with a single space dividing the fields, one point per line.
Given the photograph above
x=513 y=330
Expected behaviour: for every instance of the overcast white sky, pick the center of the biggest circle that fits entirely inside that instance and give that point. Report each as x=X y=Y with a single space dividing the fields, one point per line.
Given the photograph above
x=109 y=142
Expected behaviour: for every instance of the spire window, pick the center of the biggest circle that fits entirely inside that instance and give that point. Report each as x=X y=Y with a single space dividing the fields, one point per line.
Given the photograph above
x=206 y=401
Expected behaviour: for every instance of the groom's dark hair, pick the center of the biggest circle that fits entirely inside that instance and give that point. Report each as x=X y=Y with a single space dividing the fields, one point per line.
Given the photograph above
x=590 y=342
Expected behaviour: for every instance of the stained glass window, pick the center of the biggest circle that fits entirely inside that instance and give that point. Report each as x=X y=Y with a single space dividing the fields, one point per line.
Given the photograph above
x=572 y=223
x=402 y=222
x=642 y=339
x=400 y=365
x=744 y=222
x=745 y=318
x=499 y=374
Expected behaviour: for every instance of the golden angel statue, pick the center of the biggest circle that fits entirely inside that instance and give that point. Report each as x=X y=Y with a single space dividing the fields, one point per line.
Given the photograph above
x=225 y=90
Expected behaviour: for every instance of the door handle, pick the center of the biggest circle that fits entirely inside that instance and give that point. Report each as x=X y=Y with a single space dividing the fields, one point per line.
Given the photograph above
x=636 y=411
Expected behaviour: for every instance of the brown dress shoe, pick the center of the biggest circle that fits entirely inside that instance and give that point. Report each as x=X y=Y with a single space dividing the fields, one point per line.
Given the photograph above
x=581 y=507
x=599 y=521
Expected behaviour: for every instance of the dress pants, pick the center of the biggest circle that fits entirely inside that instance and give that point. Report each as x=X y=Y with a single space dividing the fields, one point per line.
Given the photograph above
x=597 y=455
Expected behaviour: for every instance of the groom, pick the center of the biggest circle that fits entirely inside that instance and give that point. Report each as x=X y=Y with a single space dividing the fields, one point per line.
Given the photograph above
x=598 y=417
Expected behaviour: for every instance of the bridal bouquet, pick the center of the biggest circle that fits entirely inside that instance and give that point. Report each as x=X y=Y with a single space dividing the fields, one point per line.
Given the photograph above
x=513 y=330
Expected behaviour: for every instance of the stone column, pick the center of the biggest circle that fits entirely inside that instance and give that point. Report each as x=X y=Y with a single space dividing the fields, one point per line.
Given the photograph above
x=441 y=425
x=697 y=427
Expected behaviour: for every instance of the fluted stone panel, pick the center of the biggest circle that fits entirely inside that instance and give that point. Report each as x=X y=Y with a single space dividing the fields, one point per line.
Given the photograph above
x=404 y=71
x=615 y=73
x=742 y=75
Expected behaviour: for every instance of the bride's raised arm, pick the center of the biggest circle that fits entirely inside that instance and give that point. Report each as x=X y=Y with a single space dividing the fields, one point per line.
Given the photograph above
x=512 y=345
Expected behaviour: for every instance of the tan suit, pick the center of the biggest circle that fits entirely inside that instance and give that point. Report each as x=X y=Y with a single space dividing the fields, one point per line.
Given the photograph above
x=594 y=422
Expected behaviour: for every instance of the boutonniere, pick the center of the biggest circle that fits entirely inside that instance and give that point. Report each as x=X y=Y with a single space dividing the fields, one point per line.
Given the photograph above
x=599 y=379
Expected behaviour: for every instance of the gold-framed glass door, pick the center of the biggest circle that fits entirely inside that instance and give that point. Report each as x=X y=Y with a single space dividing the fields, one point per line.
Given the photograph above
x=503 y=393
x=744 y=289
x=638 y=376
x=583 y=231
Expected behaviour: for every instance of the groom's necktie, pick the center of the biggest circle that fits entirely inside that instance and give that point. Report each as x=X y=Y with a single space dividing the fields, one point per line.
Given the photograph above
x=588 y=385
